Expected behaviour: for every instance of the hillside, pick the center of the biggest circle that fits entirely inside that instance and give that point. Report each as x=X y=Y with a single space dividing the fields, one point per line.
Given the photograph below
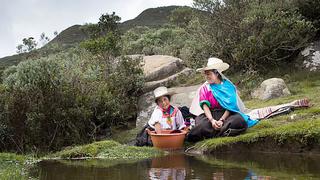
x=152 y=17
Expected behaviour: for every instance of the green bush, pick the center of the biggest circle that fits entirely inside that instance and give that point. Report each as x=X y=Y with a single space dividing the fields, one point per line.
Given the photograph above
x=167 y=40
x=250 y=34
x=310 y=9
x=65 y=99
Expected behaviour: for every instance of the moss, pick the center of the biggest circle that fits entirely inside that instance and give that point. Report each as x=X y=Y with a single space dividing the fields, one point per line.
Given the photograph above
x=301 y=132
x=12 y=157
x=12 y=166
x=106 y=150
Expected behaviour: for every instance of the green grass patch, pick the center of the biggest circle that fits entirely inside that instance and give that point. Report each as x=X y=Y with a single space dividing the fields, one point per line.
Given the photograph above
x=13 y=166
x=300 y=131
x=107 y=150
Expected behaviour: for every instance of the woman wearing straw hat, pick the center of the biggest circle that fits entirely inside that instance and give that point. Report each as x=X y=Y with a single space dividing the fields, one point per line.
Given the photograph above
x=164 y=117
x=222 y=109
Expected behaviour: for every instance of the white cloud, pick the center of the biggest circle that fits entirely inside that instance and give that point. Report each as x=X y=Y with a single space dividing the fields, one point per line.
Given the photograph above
x=20 y=18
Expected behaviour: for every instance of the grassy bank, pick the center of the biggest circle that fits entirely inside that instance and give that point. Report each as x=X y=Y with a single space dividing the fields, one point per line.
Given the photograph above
x=298 y=131
x=13 y=166
x=106 y=150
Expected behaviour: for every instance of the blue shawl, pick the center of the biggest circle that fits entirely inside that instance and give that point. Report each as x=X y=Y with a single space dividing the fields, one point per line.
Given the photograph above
x=226 y=95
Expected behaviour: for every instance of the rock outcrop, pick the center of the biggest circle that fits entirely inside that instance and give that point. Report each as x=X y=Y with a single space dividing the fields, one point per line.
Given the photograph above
x=311 y=56
x=162 y=70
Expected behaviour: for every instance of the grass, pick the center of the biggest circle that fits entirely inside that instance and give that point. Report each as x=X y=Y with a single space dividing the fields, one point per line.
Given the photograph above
x=302 y=132
x=13 y=166
x=103 y=154
x=106 y=150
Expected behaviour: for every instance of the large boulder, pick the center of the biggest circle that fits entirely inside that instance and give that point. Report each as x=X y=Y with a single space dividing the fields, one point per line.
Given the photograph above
x=146 y=104
x=151 y=85
x=271 y=88
x=311 y=56
x=162 y=70
x=157 y=67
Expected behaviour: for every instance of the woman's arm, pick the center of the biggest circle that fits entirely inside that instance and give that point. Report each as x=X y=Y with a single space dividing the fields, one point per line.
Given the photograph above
x=179 y=120
x=208 y=114
x=157 y=128
x=222 y=119
x=225 y=115
x=155 y=118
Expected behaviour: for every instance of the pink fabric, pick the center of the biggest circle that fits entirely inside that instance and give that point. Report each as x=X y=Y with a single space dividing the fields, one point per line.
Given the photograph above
x=205 y=94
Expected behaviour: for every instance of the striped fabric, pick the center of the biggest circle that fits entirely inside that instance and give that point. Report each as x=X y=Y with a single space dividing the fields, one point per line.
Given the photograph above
x=267 y=112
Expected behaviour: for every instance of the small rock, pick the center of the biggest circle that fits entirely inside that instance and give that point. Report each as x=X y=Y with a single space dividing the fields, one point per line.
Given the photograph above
x=271 y=88
x=293 y=116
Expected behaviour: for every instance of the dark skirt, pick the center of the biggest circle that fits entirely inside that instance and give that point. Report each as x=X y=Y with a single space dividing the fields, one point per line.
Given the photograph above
x=232 y=126
x=143 y=138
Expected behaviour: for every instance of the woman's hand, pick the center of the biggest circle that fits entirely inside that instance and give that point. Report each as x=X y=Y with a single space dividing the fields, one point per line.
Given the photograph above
x=216 y=124
x=219 y=124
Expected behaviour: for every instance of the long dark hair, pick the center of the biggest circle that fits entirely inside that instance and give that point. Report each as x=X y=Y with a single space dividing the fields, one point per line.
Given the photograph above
x=216 y=72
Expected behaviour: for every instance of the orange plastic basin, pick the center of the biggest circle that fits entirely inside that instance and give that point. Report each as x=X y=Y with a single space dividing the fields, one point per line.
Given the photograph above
x=167 y=141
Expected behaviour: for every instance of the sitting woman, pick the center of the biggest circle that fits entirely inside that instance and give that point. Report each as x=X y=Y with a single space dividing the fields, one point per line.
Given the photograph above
x=223 y=109
x=164 y=117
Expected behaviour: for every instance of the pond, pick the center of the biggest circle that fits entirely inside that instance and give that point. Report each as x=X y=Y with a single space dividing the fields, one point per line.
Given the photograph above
x=178 y=166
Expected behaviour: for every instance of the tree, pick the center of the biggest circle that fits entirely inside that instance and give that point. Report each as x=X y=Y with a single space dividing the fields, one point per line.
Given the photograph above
x=109 y=23
x=181 y=16
x=28 y=44
x=310 y=9
x=105 y=40
x=44 y=39
x=256 y=34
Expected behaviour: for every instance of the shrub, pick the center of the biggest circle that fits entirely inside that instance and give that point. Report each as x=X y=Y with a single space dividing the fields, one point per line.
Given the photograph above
x=65 y=99
x=250 y=34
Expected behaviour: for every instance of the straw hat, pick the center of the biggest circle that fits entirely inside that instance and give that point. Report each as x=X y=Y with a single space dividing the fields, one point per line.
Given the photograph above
x=215 y=63
x=161 y=91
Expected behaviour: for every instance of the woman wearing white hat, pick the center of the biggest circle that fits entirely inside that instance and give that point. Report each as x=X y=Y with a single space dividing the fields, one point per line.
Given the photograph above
x=222 y=109
x=164 y=117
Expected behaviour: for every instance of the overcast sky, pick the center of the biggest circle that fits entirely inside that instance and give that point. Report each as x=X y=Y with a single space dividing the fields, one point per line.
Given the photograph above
x=29 y=18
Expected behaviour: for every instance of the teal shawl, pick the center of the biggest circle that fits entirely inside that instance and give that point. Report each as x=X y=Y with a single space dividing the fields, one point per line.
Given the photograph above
x=226 y=95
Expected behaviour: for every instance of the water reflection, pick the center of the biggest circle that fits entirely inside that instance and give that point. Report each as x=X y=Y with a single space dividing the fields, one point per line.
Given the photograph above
x=173 y=167
x=180 y=166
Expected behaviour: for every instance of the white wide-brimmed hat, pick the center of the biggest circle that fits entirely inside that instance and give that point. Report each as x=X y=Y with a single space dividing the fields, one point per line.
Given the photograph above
x=215 y=63
x=161 y=91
